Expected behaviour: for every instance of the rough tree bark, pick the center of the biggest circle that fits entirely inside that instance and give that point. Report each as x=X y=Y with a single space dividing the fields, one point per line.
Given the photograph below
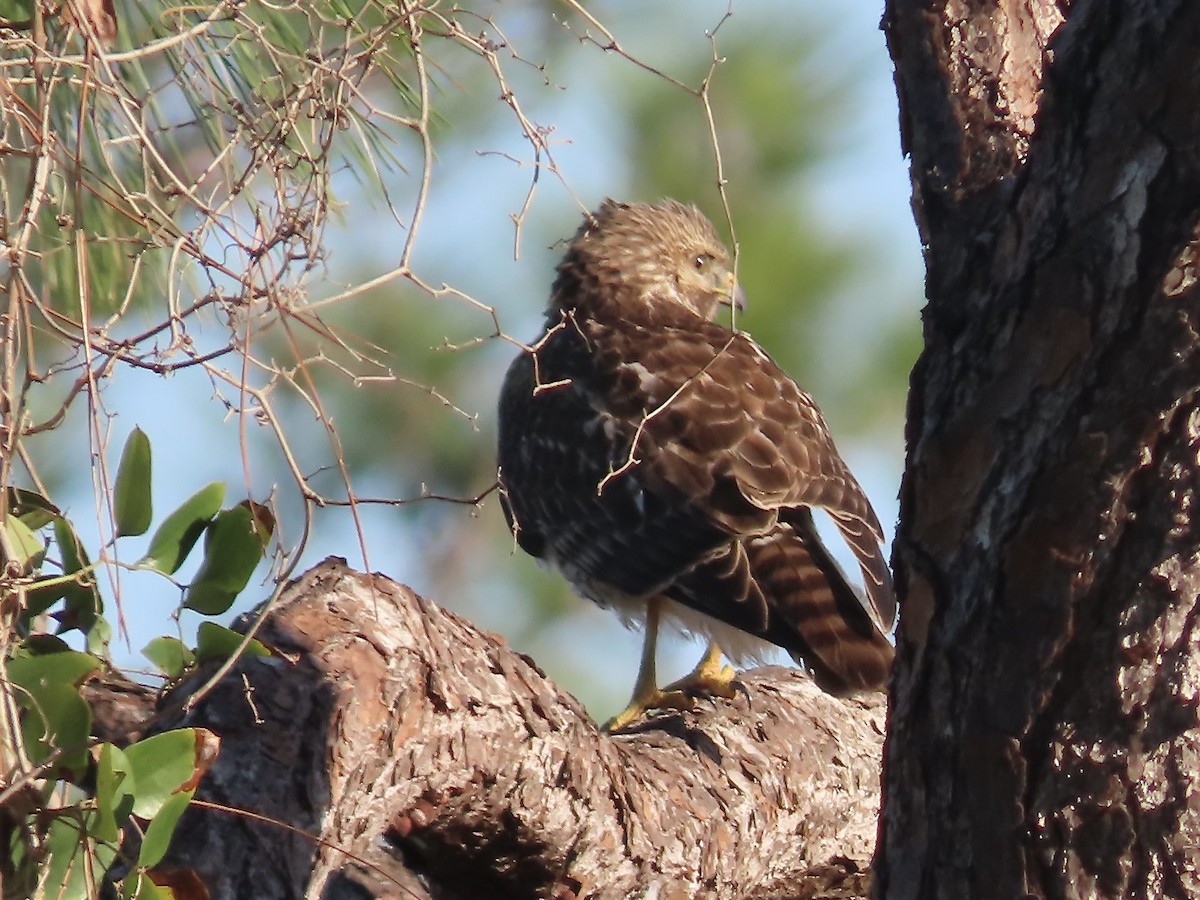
x=390 y=749
x=1044 y=728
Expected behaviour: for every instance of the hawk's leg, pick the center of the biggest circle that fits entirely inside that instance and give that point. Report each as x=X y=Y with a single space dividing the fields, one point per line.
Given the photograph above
x=646 y=695
x=711 y=676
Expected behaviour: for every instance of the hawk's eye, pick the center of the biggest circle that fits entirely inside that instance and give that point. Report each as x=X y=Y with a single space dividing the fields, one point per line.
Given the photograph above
x=701 y=261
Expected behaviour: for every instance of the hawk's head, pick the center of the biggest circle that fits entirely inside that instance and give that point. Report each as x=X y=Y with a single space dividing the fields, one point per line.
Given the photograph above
x=639 y=260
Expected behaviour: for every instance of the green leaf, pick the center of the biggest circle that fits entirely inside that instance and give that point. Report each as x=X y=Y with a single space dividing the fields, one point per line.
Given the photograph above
x=232 y=548
x=28 y=549
x=57 y=718
x=131 y=493
x=82 y=613
x=82 y=599
x=215 y=641
x=74 y=557
x=67 y=845
x=162 y=765
x=264 y=521
x=114 y=796
x=170 y=655
x=179 y=532
x=31 y=507
x=42 y=645
x=31 y=666
x=157 y=839
x=44 y=593
x=47 y=591
x=83 y=603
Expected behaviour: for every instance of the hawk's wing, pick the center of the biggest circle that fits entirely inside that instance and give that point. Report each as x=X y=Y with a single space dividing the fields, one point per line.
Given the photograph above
x=713 y=421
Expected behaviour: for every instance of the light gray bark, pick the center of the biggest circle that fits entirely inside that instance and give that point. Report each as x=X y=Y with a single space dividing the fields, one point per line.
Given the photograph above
x=385 y=728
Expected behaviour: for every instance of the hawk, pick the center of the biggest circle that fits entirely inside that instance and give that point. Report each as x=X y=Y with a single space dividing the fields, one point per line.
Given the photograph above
x=667 y=467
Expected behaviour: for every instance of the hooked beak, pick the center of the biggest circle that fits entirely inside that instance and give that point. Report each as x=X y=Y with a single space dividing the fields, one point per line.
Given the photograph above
x=734 y=296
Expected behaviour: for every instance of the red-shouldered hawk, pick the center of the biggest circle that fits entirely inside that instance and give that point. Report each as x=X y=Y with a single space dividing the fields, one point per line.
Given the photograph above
x=666 y=466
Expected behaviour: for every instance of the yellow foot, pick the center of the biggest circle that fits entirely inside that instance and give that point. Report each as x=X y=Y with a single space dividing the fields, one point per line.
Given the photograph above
x=711 y=676
x=651 y=700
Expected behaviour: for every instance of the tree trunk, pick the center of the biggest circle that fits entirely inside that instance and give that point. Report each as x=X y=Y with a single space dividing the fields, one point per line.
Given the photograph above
x=390 y=749
x=1044 y=731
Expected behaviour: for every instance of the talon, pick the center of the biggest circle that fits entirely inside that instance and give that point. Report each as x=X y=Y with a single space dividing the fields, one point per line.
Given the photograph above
x=711 y=676
x=640 y=707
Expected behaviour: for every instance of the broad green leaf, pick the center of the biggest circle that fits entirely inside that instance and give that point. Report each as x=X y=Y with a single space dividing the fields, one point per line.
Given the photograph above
x=22 y=867
x=83 y=601
x=56 y=716
x=215 y=641
x=31 y=666
x=232 y=548
x=28 y=549
x=74 y=557
x=44 y=593
x=158 y=834
x=42 y=645
x=114 y=793
x=82 y=613
x=56 y=719
x=170 y=655
x=67 y=845
x=31 y=507
x=131 y=493
x=47 y=591
x=179 y=532
x=166 y=763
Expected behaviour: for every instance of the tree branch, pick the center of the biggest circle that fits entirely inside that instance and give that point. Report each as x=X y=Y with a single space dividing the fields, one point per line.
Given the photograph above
x=386 y=729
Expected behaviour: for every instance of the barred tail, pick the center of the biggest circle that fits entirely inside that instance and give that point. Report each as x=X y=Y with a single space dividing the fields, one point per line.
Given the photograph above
x=814 y=612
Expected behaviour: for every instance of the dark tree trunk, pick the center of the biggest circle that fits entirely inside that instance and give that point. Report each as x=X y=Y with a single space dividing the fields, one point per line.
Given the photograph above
x=1044 y=731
